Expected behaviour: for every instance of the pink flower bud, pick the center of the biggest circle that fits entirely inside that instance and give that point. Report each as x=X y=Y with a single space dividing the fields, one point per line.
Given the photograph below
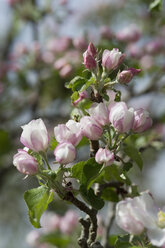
x=89 y=61
x=154 y=46
x=125 y=218
x=65 y=153
x=121 y=117
x=90 y=128
x=147 y=62
x=99 y=112
x=69 y=222
x=66 y=71
x=91 y=49
x=50 y=221
x=83 y=95
x=71 y=132
x=32 y=238
x=25 y=163
x=60 y=63
x=112 y=59
x=142 y=121
x=35 y=135
x=126 y=76
x=104 y=156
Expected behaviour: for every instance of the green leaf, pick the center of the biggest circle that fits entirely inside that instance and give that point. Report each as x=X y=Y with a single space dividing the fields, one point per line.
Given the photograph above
x=109 y=194
x=53 y=143
x=134 y=154
x=156 y=5
x=88 y=83
x=5 y=144
x=76 y=83
x=37 y=201
x=122 y=242
x=74 y=96
x=77 y=170
x=91 y=170
x=55 y=239
x=127 y=166
x=91 y=198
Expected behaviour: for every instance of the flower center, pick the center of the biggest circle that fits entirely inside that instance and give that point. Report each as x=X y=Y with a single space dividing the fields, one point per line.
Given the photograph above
x=161 y=219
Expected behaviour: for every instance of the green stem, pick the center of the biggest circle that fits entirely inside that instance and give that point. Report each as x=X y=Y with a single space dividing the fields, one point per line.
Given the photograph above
x=46 y=161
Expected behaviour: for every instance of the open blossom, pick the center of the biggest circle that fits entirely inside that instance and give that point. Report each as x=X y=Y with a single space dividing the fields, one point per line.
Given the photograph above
x=112 y=59
x=35 y=136
x=69 y=132
x=25 y=163
x=99 y=112
x=135 y=214
x=142 y=120
x=65 y=153
x=104 y=156
x=90 y=128
x=50 y=221
x=121 y=117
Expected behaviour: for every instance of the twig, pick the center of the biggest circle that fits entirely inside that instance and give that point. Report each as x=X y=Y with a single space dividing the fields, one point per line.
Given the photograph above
x=110 y=219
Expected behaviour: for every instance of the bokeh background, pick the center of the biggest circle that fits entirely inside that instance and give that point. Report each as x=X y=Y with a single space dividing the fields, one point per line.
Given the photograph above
x=41 y=47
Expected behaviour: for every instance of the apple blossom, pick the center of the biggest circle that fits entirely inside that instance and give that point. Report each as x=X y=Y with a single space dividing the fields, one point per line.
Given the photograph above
x=91 y=49
x=90 y=128
x=112 y=59
x=35 y=136
x=89 y=61
x=25 y=163
x=99 y=112
x=65 y=153
x=142 y=120
x=127 y=75
x=68 y=222
x=82 y=95
x=104 y=156
x=129 y=34
x=135 y=214
x=71 y=132
x=121 y=117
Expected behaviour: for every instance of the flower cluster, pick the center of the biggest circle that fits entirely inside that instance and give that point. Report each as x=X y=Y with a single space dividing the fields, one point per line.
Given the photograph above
x=135 y=214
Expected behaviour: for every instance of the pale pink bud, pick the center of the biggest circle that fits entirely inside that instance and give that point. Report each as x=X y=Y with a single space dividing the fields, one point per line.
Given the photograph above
x=83 y=95
x=129 y=34
x=48 y=57
x=50 y=221
x=32 y=238
x=112 y=59
x=66 y=71
x=90 y=128
x=142 y=120
x=80 y=43
x=126 y=76
x=91 y=49
x=25 y=163
x=126 y=220
x=60 y=63
x=147 y=62
x=121 y=117
x=71 y=132
x=89 y=61
x=69 y=222
x=104 y=156
x=65 y=153
x=35 y=135
x=99 y=112
x=154 y=46
x=134 y=50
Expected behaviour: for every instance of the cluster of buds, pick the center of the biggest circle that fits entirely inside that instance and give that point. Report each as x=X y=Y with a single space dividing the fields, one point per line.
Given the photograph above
x=51 y=222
